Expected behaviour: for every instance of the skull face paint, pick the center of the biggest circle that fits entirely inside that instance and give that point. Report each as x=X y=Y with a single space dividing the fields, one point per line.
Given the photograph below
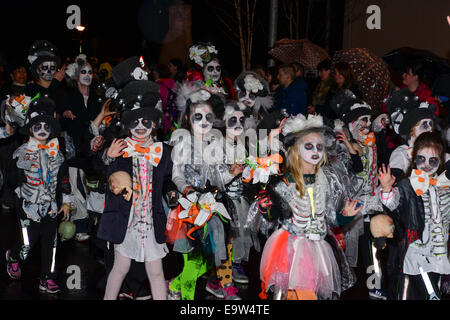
x=141 y=129
x=247 y=98
x=41 y=131
x=360 y=127
x=212 y=71
x=427 y=160
x=235 y=124
x=139 y=74
x=424 y=125
x=202 y=118
x=312 y=148
x=85 y=76
x=46 y=70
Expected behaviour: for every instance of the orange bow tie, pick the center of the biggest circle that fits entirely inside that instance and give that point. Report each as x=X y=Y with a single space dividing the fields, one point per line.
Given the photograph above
x=51 y=147
x=152 y=153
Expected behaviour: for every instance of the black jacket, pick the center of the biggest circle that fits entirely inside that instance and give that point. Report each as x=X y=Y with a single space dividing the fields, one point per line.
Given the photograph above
x=114 y=220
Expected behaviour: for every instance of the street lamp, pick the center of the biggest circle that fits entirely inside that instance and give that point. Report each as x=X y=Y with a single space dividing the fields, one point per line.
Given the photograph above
x=80 y=29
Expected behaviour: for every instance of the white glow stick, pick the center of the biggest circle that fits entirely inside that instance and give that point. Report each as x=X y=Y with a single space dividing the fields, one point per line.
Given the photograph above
x=26 y=241
x=428 y=285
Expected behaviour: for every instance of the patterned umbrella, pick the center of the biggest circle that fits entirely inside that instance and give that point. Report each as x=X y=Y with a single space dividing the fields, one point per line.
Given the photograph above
x=302 y=51
x=372 y=74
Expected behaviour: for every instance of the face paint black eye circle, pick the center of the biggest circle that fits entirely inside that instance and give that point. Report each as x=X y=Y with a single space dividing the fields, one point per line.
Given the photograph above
x=134 y=124
x=52 y=68
x=319 y=147
x=36 y=127
x=218 y=69
x=83 y=71
x=147 y=123
x=308 y=146
x=434 y=162
x=252 y=96
x=210 y=69
x=241 y=94
x=232 y=122
x=242 y=120
x=197 y=117
x=44 y=68
x=210 y=117
x=47 y=127
x=420 y=160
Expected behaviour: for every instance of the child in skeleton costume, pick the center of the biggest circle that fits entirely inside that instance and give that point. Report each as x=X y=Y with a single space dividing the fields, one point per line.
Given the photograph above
x=420 y=208
x=201 y=175
x=39 y=175
x=297 y=259
x=44 y=64
x=136 y=226
x=235 y=155
x=253 y=91
x=207 y=67
x=410 y=118
x=356 y=116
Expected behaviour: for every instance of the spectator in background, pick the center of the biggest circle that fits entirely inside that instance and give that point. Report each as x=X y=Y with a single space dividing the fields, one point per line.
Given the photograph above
x=291 y=94
x=176 y=70
x=261 y=71
x=344 y=78
x=413 y=77
x=299 y=69
x=322 y=91
x=162 y=76
x=272 y=80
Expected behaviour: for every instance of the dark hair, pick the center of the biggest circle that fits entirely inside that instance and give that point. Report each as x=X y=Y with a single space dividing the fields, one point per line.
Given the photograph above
x=288 y=69
x=416 y=68
x=177 y=63
x=162 y=70
x=324 y=65
x=298 y=66
x=429 y=140
x=346 y=71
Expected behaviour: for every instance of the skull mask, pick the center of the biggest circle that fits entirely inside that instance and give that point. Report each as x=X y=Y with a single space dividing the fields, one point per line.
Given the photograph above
x=235 y=124
x=141 y=129
x=41 y=131
x=139 y=74
x=46 y=70
x=312 y=148
x=120 y=184
x=427 y=160
x=202 y=118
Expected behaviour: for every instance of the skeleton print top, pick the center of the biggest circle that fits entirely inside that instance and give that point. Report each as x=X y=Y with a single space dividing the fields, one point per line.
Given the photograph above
x=314 y=213
x=430 y=252
x=41 y=171
x=140 y=243
x=195 y=162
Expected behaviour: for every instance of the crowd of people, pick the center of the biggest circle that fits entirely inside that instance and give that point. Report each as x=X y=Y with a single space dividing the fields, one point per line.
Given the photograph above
x=154 y=160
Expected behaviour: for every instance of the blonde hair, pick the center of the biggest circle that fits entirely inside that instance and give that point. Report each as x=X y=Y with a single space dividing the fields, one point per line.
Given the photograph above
x=294 y=161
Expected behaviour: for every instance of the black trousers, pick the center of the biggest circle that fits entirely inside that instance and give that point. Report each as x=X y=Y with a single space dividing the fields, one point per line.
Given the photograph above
x=45 y=230
x=413 y=287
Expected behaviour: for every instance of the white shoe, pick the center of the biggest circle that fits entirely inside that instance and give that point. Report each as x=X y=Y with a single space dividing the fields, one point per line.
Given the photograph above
x=82 y=237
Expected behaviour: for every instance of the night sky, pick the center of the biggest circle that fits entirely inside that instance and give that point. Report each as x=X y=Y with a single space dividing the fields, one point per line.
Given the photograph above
x=120 y=29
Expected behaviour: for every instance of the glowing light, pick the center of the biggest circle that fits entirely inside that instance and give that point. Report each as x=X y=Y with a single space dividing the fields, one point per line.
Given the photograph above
x=80 y=28
x=448 y=20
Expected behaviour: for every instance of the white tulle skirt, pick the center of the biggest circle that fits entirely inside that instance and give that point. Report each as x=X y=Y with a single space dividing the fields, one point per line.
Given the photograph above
x=291 y=262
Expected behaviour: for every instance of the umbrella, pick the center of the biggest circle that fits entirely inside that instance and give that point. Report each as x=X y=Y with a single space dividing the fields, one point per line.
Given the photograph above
x=302 y=51
x=433 y=64
x=372 y=74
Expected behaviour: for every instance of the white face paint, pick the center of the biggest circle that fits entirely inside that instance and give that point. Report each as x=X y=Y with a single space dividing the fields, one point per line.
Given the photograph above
x=141 y=129
x=360 y=126
x=247 y=98
x=85 y=77
x=425 y=125
x=202 y=118
x=235 y=124
x=312 y=148
x=212 y=71
x=427 y=160
x=139 y=74
x=41 y=131
x=46 y=70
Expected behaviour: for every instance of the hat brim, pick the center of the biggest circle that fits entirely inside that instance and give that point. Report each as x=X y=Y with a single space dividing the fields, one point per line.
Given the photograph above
x=355 y=114
x=412 y=118
x=56 y=128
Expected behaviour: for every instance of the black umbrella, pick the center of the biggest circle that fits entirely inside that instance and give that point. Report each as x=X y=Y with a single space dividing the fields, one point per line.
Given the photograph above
x=433 y=64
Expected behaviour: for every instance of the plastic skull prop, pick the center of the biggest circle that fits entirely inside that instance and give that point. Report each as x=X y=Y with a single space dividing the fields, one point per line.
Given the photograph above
x=120 y=183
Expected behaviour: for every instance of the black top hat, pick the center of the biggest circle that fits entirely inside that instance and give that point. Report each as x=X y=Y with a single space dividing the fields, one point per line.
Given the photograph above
x=348 y=106
x=139 y=99
x=126 y=71
x=406 y=110
x=42 y=109
x=42 y=51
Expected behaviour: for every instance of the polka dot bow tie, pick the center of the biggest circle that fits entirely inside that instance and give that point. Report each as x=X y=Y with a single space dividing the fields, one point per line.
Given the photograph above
x=421 y=182
x=152 y=153
x=51 y=147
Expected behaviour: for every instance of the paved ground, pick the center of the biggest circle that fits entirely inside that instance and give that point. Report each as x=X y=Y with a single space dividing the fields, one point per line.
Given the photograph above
x=72 y=253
